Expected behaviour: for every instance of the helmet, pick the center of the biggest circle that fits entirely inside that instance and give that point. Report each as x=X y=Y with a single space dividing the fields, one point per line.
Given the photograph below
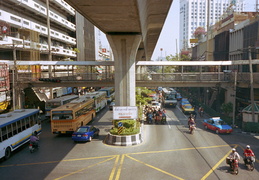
x=35 y=133
x=233 y=149
x=248 y=147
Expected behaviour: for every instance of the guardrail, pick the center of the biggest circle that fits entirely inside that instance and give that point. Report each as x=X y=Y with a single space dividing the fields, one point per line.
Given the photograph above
x=187 y=76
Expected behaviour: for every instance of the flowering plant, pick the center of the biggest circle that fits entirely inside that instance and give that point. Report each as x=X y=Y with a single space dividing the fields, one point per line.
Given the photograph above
x=199 y=31
x=185 y=52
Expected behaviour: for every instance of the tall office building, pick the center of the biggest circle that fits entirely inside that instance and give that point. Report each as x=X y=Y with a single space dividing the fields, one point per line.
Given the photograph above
x=193 y=14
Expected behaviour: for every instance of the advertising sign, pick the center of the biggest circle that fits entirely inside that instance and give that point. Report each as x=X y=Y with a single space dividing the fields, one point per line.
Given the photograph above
x=125 y=112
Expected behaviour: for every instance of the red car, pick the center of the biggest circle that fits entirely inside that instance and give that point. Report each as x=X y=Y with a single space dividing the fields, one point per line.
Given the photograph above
x=218 y=125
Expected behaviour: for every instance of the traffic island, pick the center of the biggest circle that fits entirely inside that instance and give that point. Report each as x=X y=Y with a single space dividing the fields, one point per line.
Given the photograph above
x=128 y=140
x=127 y=127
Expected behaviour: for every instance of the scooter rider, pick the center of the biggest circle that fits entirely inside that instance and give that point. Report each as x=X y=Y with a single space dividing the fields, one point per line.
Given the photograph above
x=191 y=121
x=34 y=138
x=248 y=153
x=233 y=156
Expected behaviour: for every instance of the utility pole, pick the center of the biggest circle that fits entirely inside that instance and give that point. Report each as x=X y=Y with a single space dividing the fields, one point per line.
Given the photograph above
x=234 y=102
x=251 y=84
x=49 y=46
x=208 y=25
x=14 y=72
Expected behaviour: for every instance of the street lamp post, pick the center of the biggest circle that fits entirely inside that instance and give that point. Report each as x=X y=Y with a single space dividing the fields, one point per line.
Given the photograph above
x=234 y=101
x=251 y=84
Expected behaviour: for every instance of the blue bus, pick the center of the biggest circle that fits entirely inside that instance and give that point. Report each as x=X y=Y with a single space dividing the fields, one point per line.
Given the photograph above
x=110 y=93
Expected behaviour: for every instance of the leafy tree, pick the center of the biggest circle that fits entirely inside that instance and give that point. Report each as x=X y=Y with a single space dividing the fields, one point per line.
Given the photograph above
x=142 y=97
x=227 y=108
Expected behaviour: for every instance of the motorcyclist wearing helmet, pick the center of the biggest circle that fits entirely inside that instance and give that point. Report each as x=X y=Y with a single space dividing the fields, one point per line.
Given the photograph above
x=234 y=155
x=191 y=120
x=248 y=153
x=233 y=158
x=34 y=138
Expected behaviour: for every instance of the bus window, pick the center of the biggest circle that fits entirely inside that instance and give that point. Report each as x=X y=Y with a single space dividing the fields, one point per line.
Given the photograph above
x=1 y=139
x=19 y=126
x=4 y=133
x=9 y=131
x=27 y=123
x=23 y=122
x=14 y=126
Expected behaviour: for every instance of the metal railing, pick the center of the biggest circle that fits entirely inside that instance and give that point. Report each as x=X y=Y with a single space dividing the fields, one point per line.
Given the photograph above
x=187 y=76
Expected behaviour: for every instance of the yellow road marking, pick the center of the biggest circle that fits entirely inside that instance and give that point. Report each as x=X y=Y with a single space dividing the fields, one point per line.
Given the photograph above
x=84 y=168
x=119 y=170
x=66 y=160
x=183 y=149
x=122 y=161
x=114 y=167
x=154 y=167
x=216 y=165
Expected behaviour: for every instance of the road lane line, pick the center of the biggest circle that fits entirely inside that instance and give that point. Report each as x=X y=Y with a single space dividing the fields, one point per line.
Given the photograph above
x=114 y=167
x=160 y=170
x=217 y=164
x=66 y=160
x=120 y=167
x=183 y=149
x=84 y=168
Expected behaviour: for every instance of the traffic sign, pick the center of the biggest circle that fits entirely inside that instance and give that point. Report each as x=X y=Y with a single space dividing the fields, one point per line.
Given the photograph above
x=120 y=124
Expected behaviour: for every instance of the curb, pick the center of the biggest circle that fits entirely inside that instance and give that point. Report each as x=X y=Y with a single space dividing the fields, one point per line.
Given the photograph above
x=117 y=140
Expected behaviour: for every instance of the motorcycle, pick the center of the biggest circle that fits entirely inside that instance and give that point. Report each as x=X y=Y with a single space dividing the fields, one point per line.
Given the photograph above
x=233 y=163
x=192 y=128
x=33 y=146
x=249 y=162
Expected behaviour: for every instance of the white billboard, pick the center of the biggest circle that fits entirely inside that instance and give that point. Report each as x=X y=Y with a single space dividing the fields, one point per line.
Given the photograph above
x=125 y=112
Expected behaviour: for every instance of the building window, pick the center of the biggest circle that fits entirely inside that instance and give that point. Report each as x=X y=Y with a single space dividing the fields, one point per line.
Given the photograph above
x=15 y=19
x=26 y=22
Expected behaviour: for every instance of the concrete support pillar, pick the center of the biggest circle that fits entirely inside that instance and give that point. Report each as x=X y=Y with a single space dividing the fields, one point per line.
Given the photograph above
x=124 y=49
x=229 y=95
x=139 y=69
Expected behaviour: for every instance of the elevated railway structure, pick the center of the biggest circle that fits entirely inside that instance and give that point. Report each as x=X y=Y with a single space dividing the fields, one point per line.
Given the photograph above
x=71 y=74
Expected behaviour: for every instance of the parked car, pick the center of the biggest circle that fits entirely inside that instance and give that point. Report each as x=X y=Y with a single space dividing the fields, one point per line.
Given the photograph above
x=187 y=109
x=218 y=125
x=111 y=105
x=85 y=133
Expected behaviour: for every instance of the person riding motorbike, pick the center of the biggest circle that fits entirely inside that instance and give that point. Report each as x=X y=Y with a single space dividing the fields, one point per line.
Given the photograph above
x=191 y=121
x=233 y=156
x=248 y=153
x=34 y=139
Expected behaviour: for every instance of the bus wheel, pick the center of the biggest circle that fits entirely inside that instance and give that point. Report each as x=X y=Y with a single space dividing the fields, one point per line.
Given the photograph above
x=7 y=153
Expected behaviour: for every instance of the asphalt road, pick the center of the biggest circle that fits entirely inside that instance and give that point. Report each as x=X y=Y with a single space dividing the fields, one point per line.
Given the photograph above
x=168 y=152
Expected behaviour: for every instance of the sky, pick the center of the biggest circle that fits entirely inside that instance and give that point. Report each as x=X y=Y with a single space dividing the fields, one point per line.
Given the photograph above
x=168 y=36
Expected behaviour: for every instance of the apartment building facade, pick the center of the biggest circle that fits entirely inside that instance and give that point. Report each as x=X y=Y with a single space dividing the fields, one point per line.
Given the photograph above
x=194 y=14
x=24 y=28
x=29 y=27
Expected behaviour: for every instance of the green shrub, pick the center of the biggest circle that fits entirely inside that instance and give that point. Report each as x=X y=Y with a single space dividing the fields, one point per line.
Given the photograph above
x=251 y=127
x=130 y=127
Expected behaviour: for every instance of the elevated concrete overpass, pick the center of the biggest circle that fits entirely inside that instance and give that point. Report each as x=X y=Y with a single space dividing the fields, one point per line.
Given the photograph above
x=132 y=28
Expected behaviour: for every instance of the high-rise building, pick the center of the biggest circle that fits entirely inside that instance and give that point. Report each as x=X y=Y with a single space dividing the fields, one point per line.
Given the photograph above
x=194 y=14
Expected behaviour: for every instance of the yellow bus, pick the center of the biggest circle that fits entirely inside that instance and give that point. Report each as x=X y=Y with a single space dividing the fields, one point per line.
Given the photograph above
x=67 y=118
